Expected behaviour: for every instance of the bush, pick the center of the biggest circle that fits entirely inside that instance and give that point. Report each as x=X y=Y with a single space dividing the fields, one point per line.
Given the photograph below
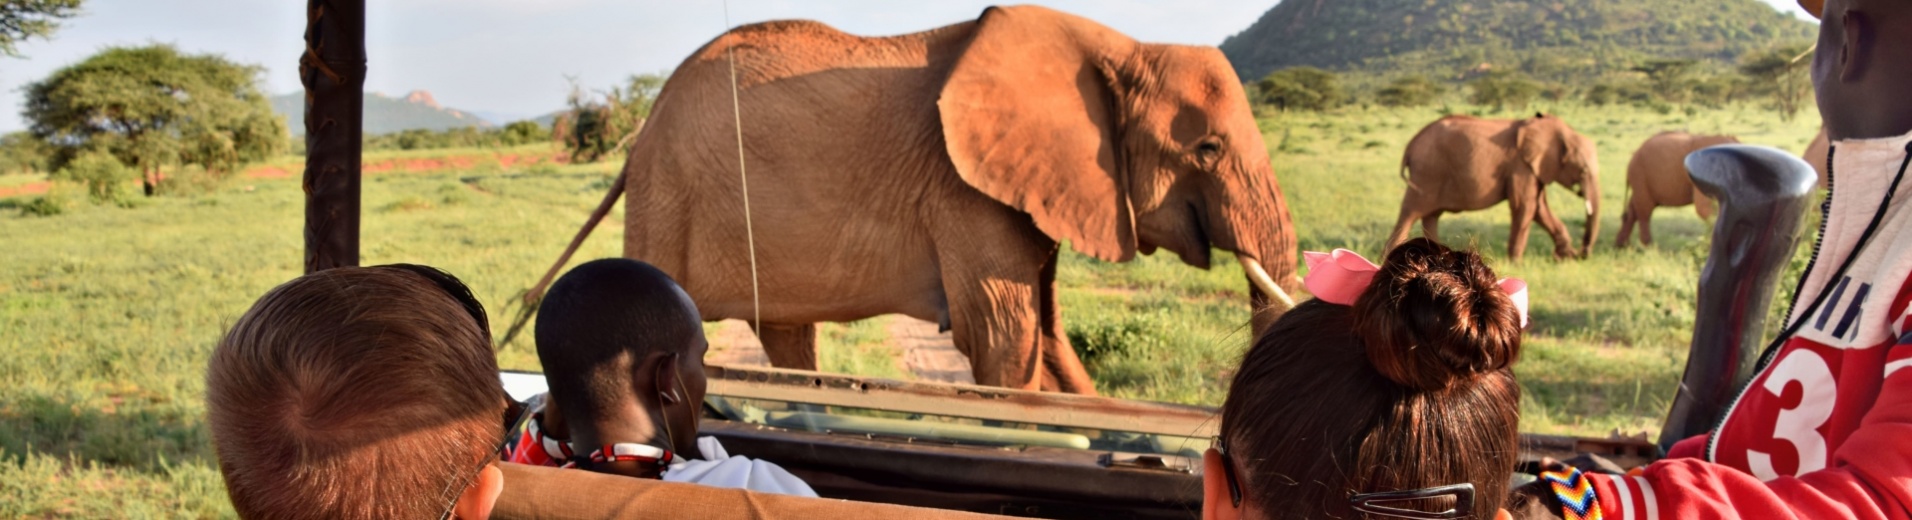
x=1620 y=92
x=1410 y=91
x=100 y=172
x=21 y=152
x=1301 y=88
x=1503 y=90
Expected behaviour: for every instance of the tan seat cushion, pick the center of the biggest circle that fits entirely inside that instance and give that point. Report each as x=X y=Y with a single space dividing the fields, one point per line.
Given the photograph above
x=543 y=493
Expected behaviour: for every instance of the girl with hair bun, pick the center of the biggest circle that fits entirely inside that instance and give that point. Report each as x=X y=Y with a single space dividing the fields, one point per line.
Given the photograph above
x=1388 y=396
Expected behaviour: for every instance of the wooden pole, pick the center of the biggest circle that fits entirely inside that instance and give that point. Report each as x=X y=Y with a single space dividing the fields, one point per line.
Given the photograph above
x=333 y=71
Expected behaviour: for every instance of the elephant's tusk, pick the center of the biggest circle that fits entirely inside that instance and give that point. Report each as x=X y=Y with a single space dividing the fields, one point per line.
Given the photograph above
x=1259 y=276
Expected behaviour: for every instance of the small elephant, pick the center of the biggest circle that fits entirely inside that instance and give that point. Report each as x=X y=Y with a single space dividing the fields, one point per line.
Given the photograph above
x=937 y=175
x=1461 y=163
x=1657 y=177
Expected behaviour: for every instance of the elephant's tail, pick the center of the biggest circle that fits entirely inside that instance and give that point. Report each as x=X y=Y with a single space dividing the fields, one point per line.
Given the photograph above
x=533 y=296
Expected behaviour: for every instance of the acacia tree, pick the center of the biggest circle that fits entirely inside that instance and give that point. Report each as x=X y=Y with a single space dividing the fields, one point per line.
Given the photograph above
x=1782 y=74
x=152 y=107
x=1668 y=78
x=22 y=19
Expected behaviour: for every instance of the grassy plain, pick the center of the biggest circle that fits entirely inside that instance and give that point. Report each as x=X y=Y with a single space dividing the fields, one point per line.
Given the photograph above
x=107 y=314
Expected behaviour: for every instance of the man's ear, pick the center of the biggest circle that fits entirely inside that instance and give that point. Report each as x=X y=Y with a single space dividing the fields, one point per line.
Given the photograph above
x=664 y=380
x=477 y=501
x=1216 y=504
x=1855 y=49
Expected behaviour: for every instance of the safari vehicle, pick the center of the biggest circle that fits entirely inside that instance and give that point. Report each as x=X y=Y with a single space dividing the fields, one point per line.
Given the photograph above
x=1010 y=452
x=986 y=449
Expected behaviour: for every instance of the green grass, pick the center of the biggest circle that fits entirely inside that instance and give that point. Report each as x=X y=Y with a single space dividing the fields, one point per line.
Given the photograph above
x=107 y=314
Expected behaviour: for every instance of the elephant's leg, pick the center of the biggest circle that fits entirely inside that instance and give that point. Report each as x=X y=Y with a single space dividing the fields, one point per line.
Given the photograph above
x=1520 y=201
x=1646 y=227
x=1062 y=369
x=790 y=346
x=1626 y=227
x=1402 y=225
x=1431 y=226
x=1563 y=244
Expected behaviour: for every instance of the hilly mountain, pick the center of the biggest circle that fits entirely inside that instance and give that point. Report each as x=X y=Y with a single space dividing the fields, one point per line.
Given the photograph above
x=385 y=114
x=1557 y=40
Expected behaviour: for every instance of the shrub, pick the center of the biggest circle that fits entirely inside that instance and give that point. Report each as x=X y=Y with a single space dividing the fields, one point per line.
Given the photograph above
x=1410 y=91
x=100 y=172
x=1503 y=90
x=1301 y=88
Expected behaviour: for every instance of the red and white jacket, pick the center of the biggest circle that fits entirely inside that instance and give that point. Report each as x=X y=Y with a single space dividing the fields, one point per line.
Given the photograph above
x=1825 y=430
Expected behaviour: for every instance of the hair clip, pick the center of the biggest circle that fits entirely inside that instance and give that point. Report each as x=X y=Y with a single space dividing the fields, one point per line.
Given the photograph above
x=1463 y=502
x=1341 y=276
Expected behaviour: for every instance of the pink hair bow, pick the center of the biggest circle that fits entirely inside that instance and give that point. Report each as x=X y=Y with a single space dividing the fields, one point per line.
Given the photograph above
x=1341 y=276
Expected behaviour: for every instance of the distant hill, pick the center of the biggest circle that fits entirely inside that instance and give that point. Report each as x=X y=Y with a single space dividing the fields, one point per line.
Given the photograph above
x=1555 y=40
x=385 y=114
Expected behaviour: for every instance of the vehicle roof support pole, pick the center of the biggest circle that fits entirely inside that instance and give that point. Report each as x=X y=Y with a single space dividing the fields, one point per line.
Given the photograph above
x=333 y=71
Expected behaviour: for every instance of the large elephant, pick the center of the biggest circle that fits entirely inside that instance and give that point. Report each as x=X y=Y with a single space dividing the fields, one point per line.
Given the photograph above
x=1461 y=163
x=1657 y=177
x=935 y=174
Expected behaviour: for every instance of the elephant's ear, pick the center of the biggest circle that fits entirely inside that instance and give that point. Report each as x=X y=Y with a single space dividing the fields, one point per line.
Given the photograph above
x=1029 y=116
x=1542 y=146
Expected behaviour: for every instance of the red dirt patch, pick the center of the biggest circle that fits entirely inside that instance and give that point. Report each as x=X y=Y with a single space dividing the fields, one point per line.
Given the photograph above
x=31 y=188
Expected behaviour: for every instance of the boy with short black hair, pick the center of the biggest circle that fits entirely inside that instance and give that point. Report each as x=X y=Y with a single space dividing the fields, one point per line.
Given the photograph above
x=623 y=349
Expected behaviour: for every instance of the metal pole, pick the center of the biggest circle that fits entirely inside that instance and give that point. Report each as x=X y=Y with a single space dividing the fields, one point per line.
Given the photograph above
x=333 y=71
x=1763 y=192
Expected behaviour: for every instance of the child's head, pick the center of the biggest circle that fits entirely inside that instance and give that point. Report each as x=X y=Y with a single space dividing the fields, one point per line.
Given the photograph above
x=1862 y=67
x=623 y=349
x=358 y=392
x=1406 y=389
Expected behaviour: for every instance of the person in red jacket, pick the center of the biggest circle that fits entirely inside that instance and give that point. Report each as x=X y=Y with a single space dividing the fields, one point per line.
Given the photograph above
x=1824 y=429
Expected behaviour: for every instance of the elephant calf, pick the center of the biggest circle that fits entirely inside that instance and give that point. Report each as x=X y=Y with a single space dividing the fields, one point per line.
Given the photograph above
x=1462 y=163
x=1656 y=176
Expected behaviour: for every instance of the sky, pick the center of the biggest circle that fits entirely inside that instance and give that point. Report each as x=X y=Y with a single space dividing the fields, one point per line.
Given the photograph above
x=513 y=57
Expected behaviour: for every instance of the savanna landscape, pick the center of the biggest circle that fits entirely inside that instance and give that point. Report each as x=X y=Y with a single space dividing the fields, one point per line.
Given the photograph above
x=110 y=302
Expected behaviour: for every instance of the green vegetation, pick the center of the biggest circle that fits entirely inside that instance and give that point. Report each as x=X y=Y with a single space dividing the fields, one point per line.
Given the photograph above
x=517 y=133
x=1502 y=90
x=22 y=19
x=1409 y=91
x=1783 y=76
x=21 y=152
x=107 y=314
x=1300 y=88
x=153 y=107
x=602 y=123
x=1562 y=41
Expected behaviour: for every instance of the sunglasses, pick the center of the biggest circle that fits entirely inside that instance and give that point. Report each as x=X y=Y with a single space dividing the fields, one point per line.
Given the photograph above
x=1372 y=503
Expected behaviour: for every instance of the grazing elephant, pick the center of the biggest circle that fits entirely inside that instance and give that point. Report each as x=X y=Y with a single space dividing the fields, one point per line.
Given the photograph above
x=1462 y=163
x=1657 y=177
x=935 y=174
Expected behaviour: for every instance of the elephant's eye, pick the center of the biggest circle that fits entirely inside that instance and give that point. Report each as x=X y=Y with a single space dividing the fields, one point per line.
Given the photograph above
x=1208 y=147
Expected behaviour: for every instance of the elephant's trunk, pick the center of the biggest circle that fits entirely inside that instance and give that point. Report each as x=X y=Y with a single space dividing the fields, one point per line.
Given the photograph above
x=1592 y=187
